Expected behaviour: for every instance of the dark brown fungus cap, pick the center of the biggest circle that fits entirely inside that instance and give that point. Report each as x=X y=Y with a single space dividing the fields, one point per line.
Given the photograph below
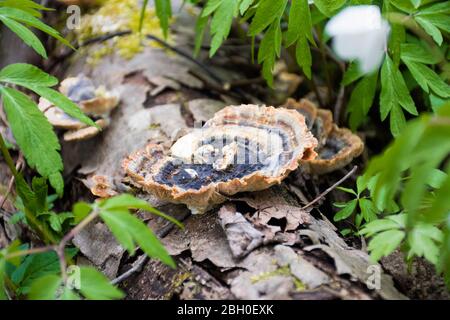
x=337 y=147
x=242 y=148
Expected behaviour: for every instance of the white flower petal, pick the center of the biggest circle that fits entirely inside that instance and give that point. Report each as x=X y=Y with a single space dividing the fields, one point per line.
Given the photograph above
x=360 y=32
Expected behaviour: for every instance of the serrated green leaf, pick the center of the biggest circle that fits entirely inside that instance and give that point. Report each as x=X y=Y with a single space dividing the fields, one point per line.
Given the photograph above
x=62 y=102
x=329 y=7
x=267 y=12
x=430 y=28
x=30 y=20
x=127 y=201
x=95 y=286
x=361 y=100
x=368 y=209
x=36 y=266
x=397 y=120
x=244 y=5
x=45 y=288
x=347 y=211
x=163 y=12
x=385 y=243
x=303 y=56
x=427 y=78
x=33 y=134
x=23 y=74
x=210 y=7
x=348 y=190
x=200 y=28
x=299 y=22
x=26 y=35
x=380 y=225
x=424 y=241
x=417 y=53
x=221 y=23
x=130 y=230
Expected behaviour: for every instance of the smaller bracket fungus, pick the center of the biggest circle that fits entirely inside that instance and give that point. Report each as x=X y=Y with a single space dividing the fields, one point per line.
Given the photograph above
x=337 y=147
x=242 y=148
x=95 y=102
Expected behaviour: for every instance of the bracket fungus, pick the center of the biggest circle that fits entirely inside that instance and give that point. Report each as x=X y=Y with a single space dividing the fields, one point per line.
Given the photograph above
x=336 y=147
x=242 y=148
x=96 y=102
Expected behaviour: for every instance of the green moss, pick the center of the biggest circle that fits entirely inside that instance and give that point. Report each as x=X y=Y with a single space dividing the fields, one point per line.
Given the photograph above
x=114 y=16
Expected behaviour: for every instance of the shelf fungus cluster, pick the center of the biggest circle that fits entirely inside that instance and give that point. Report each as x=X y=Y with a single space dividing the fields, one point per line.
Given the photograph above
x=336 y=147
x=95 y=102
x=242 y=148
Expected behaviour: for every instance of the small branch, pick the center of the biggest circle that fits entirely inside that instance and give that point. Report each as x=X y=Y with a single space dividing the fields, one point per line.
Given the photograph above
x=29 y=251
x=137 y=266
x=323 y=194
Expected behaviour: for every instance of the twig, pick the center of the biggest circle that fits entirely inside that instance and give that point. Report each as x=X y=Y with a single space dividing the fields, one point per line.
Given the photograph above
x=323 y=194
x=137 y=266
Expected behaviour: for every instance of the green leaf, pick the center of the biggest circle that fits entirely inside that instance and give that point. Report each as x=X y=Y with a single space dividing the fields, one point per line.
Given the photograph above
x=268 y=49
x=424 y=241
x=81 y=210
x=397 y=120
x=436 y=178
x=142 y=15
x=3 y=295
x=385 y=243
x=347 y=211
x=417 y=53
x=129 y=230
x=430 y=28
x=26 y=35
x=361 y=100
x=352 y=73
x=397 y=37
x=299 y=22
x=244 y=5
x=380 y=225
x=62 y=102
x=163 y=12
x=221 y=23
x=35 y=266
x=33 y=134
x=303 y=56
x=210 y=7
x=127 y=201
x=394 y=94
x=200 y=28
x=45 y=288
x=329 y=7
x=31 y=21
x=95 y=286
x=368 y=209
x=348 y=190
x=267 y=12
x=24 y=75
x=427 y=78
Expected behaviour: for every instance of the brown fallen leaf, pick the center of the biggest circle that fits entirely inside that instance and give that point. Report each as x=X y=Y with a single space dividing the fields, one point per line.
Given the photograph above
x=241 y=235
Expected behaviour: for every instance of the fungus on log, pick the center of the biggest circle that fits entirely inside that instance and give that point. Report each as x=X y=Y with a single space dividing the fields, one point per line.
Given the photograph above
x=242 y=148
x=336 y=147
x=95 y=102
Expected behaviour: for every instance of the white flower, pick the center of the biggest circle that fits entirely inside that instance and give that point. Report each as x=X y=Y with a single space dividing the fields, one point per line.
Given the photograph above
x=360 y=32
